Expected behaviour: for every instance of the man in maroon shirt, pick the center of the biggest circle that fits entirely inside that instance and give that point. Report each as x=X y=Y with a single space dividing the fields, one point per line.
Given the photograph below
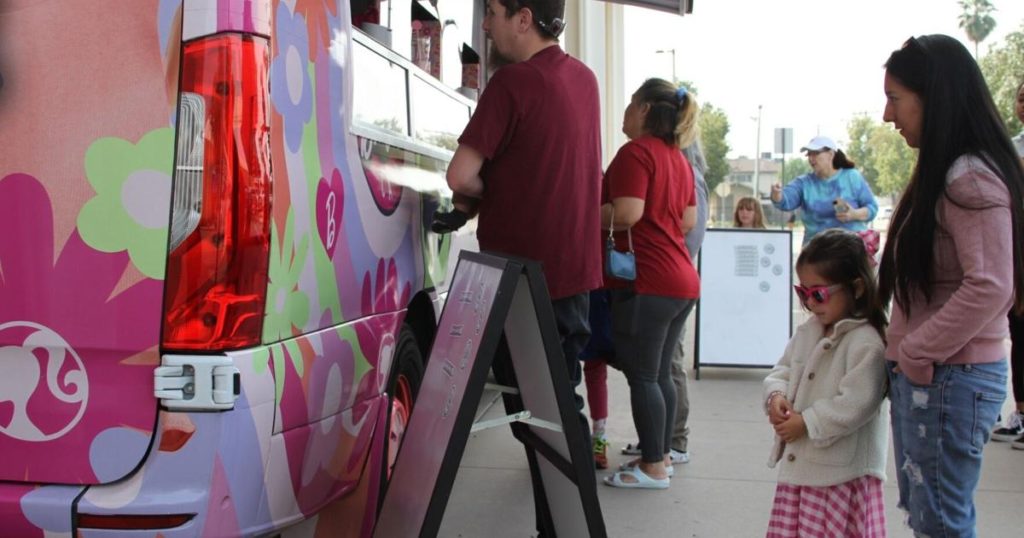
x=531 y=154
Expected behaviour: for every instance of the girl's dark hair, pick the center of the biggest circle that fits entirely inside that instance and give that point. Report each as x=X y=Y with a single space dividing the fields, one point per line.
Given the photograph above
x=839 y=256
x=958 y=118
x=840 y=160
x=672 y=118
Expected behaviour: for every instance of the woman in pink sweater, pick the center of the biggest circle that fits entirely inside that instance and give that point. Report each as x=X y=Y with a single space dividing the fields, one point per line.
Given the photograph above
x=955 y=249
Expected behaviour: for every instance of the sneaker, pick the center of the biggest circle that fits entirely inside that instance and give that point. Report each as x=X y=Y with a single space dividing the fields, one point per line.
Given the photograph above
x=678 y=457
x=1018 y=443
x=1013 y=429
x=600 y=453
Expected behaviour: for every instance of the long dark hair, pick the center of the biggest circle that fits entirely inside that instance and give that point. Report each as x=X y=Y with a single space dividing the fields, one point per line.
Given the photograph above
x=958 y=118
x=841 y=161
x=840 y=257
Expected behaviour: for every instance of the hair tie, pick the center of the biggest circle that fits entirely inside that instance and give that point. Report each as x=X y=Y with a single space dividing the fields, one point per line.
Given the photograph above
x=680 y=94
x=871 y=240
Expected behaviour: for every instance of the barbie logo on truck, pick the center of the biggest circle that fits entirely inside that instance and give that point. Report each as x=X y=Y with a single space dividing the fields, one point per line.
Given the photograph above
x=216 y=286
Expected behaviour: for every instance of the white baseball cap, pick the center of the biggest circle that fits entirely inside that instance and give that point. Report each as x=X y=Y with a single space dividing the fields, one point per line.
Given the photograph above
x=819 y=143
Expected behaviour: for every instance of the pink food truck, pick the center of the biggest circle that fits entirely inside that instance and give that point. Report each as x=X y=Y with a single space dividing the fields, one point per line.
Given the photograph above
x=217 y=278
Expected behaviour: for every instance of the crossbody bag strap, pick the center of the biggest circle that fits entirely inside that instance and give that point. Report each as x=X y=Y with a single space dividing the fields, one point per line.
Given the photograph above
x=611 y=229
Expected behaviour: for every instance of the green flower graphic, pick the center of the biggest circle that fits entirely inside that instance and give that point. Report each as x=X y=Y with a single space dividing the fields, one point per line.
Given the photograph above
x=133 y=193
x=287 y=306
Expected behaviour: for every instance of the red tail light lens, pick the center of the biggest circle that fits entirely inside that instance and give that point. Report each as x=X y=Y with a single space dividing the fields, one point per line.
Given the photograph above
x=217 y=268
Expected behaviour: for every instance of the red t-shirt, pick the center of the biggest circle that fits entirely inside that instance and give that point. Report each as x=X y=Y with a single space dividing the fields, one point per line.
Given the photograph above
x=659 y=174
x=538 y=127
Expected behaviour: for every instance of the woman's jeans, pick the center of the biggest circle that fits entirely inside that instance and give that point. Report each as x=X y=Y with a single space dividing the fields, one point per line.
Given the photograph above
x=939 y=431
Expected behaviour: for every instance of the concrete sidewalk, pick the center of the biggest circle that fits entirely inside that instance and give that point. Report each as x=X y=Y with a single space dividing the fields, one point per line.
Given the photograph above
x=725 y=491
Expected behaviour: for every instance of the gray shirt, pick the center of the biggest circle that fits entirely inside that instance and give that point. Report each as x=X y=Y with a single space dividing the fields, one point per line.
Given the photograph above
x=695 y=237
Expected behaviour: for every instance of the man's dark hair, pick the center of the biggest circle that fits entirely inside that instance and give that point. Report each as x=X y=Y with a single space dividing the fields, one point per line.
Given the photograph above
x=548 y=15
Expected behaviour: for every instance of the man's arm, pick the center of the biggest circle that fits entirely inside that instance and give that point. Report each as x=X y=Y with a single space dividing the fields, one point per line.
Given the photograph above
x=464 y=172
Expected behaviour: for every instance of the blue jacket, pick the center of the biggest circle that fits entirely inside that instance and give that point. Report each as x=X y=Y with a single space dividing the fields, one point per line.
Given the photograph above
x=815 y=197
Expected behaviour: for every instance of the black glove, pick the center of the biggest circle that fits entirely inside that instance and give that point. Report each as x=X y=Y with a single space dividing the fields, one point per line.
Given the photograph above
x=444 y=223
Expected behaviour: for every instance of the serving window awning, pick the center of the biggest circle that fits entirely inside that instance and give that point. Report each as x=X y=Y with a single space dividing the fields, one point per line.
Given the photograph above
x=679 y=7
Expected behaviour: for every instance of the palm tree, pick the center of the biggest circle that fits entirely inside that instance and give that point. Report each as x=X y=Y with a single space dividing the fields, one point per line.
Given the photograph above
x=977 y=21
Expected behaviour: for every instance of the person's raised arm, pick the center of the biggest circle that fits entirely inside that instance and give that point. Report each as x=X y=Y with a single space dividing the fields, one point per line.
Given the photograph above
x=464 y=172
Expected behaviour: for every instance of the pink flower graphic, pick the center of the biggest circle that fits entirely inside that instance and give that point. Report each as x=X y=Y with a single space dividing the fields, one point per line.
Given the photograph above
x=60 y=312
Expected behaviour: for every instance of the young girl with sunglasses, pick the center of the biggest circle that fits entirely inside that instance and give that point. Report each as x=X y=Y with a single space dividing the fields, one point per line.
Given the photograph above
x=825 y=399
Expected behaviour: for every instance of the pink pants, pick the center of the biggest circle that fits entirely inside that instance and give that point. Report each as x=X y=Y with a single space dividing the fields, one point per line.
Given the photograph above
x=595 y=375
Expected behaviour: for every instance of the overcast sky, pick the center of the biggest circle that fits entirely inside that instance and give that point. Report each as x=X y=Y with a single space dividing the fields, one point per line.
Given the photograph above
x=811 y=64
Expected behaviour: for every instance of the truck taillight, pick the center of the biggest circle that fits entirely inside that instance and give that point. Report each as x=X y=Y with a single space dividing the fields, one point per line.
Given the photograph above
x=220 y=227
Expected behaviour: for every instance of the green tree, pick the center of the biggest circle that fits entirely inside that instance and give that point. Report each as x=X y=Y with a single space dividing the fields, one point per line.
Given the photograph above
x=714 y=126
x=881 y=155
x=976 y=20
x=794 y=168
x=859 y=150
x=892 y=158
x=1003 y=68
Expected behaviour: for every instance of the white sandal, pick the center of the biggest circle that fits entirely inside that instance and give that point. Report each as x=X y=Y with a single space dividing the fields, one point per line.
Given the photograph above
x=643 y=481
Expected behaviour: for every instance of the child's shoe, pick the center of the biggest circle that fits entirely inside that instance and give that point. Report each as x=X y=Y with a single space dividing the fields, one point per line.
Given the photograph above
x=1013 y=429
x=600 y=453
x=444 y=223
x=1018 y=443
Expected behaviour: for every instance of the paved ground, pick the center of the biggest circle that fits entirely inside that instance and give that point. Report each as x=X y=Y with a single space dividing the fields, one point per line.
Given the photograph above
x=726 y=490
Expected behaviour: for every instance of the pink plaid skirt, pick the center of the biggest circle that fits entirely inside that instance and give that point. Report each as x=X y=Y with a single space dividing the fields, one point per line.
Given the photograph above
x=853 y=509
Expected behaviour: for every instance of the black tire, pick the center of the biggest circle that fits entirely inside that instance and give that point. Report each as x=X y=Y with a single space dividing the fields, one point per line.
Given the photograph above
x=402 y=389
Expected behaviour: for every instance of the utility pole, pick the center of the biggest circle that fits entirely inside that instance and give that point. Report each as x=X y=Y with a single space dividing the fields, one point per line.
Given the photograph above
x=673 y=52
x=757 y=157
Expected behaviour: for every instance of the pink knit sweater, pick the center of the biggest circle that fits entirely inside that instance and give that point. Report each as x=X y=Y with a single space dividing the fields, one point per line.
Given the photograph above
x=965 y=321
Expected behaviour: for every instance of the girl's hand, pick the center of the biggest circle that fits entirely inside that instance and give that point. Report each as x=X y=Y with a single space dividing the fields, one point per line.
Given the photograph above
x=792 y=428
x=779 y=409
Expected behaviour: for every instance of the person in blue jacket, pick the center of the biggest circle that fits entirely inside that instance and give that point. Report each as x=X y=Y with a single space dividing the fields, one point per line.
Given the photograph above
x=833 y=195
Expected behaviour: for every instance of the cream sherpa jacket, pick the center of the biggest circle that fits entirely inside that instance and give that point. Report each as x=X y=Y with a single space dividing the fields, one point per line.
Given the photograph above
x=838 y=384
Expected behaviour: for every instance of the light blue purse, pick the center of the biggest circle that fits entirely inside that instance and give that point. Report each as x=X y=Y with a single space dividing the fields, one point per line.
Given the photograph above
x=621 y=265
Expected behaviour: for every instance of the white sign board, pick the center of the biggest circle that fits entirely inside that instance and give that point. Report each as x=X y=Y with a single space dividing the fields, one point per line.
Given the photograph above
x=744 y=317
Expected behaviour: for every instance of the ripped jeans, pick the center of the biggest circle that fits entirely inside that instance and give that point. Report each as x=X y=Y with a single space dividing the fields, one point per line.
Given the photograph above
x=939 y=431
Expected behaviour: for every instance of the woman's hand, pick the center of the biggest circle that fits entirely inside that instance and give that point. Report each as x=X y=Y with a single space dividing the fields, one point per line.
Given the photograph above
x=776 y=192
x=792 y=429
x=853 y=215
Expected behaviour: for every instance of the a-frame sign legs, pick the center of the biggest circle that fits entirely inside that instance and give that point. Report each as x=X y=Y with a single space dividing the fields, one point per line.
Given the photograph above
x=491 y=296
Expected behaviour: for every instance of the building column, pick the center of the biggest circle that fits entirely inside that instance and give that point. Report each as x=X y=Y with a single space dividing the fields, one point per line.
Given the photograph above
x=595 y=35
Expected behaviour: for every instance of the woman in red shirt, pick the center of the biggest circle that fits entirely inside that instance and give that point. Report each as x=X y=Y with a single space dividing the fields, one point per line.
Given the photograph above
x=653 y=203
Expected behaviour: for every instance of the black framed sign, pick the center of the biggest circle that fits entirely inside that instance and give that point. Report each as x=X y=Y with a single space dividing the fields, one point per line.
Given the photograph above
x=492 y=296
x=744 y=316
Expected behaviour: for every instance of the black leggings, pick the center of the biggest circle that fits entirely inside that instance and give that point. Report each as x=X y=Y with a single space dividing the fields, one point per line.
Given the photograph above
x=1017 y=356
x=645 y=329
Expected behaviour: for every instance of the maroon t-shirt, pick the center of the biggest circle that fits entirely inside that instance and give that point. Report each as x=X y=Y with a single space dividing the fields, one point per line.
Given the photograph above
x=657 y=173
x=538 y=127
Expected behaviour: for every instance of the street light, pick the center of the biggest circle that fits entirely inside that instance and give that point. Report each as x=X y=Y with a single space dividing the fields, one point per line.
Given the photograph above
x=673 y=52
x=757 y=156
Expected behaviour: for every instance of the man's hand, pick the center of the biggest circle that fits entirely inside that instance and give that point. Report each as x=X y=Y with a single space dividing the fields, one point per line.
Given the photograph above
x=776 y=192
x=792 y=428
